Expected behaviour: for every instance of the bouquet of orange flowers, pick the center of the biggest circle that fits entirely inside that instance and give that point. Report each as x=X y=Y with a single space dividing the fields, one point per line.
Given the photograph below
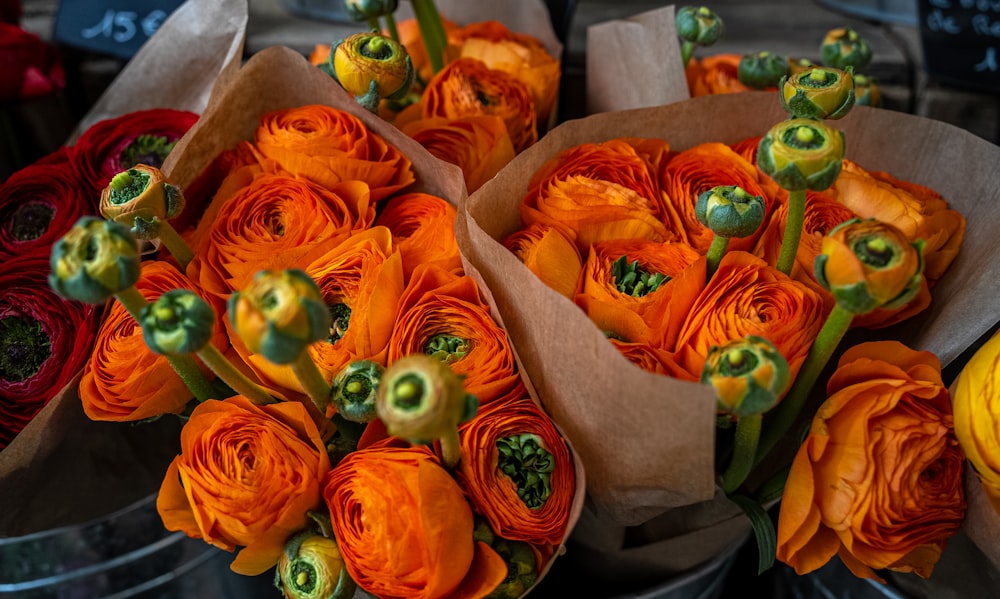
x=290 y=286
x=795 y=270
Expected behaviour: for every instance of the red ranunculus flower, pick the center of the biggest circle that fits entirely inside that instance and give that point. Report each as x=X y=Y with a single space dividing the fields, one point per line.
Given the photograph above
x=29 y=67
x=116 y=144
x=44 y=341
x=39 y=203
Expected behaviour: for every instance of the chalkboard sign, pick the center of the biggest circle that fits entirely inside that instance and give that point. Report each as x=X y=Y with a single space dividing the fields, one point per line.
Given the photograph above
x=961 y=42
x=115 y=27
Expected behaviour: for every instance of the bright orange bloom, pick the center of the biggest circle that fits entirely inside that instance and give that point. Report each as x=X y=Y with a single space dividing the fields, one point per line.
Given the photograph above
x=246 y=477
x=715 y=74
x=548 y=250
x=423 y=231
x=878 y=481
x=479 y=144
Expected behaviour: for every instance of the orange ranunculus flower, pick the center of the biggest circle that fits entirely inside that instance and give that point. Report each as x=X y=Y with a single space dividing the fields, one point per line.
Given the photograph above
x=362 y=281
x=918 y=211
x=878 y=480
x=520 y=55
x=443 y=314
x=522 y=499
x=273 y=223
x=479 y=144
x=976 y=401
x=467 y=86
x=246 y=477
x=404 y=526
x=645 y=288
x=423 y=230
x=747 y=296
x=699 y=169
x=548 y=250
x=595 y=210
x=319 y=54
x=715 y=74
x=126 y=381
x=326 y=145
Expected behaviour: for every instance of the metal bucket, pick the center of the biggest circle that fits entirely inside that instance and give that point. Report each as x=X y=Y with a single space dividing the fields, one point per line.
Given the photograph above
x=125 y=554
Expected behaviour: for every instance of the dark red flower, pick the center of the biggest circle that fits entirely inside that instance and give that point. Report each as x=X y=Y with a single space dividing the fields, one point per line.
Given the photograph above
x=29 y=66
x=44 y=341
x=114 y=145
x=39 y=203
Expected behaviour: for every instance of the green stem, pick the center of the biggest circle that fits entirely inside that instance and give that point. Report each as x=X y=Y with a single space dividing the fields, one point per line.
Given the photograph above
x=451 y=449
x=432 y=31
x=687 y=51
x=237 y=381
x=184 y=366
x=744 y=452
x=793 y=230
x=715 y=253
x=312 y=381
x=390 y=25
x=175 y=244
x=374 y=25
x=784 y=416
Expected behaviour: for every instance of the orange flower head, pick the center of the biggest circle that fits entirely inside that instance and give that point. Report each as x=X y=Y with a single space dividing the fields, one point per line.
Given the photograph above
x=246 y=477
x=818 y=93
x=879 y=478
x=139 y=197
x=749 y=375
x=312 y=567
x=279 y=314
x=868 y=264
x=802 y=153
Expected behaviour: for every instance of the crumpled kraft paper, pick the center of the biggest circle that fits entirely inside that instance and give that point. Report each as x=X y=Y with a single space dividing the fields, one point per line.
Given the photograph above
x=647 y=440
x=200 y=43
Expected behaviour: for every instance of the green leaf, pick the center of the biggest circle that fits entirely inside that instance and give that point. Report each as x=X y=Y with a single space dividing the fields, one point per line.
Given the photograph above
x=763 y=529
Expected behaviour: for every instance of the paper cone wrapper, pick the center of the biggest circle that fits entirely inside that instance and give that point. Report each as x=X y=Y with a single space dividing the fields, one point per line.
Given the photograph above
x=634 y=63
x=199 y=44
x=647 y=440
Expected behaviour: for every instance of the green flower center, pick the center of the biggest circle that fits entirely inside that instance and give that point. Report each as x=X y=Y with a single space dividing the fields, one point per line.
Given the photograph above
x=24 y=347
x=147 y=149
x=529 y=465
x=632 y=279
x=738 y=362
x=818 y=78
x=803 y=137
x=29 y=221
x=340 y=319
x=874 y=251
x=447 y=348
x=359 y=388
x=377 y=48
x=408 y=392
x=303 y=576
x=127 y=185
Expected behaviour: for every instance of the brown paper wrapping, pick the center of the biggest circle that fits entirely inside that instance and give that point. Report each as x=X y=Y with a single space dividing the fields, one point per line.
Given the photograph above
x=200 y=43
x=646 y=440
x=634 y=63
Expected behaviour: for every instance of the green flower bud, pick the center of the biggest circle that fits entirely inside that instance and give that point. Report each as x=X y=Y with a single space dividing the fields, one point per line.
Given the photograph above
x=280 y=314
x=749 y=375
x=178 y=322
x=866 y=91
x=312 y=567
x=730 y=211
x=818 y=93
x=372 y=67
x=869 y=264
x=364 y=10
x=802 y=154
x=94 y=260
x=762 y=70
x=420 y=398
x=522 y=565
x=844 y=47
x=698 y=25
x=354 y=389
x=140 y=197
